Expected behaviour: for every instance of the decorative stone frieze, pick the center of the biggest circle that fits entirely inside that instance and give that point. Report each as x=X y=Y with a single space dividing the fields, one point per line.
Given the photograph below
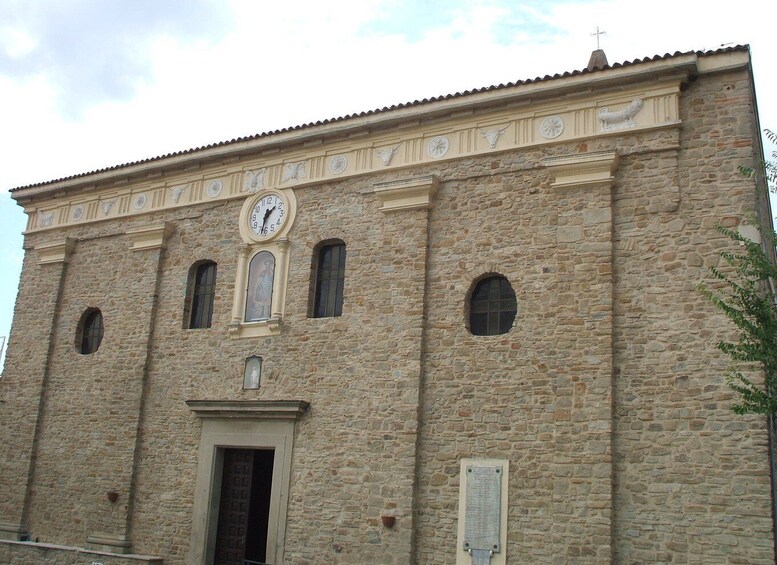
x=387 y=154
x=506 y=129
x=438 y=147
x=45 y=218
x=214 y=188
x=106 y=206
x=552 y=127
x=294 y=172
x=338 y=164
x=177 y=191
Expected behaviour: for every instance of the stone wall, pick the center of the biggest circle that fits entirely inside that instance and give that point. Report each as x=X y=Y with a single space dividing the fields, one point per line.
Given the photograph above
x=690 y=476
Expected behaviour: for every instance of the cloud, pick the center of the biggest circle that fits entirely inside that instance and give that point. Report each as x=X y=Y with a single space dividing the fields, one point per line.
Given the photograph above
x=91 y=50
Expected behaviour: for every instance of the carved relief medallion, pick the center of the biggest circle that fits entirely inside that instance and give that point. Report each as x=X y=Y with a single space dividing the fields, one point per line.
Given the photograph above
x=438 y=147
x=492 y=136
x=214 y=188
x=552 y=127
x=177 y=191
x=106 y=205
x=387 y=154
x=140 y=201
x=78 y=213
x=338 y=164
x=293 y=171
x=620 y=119
x=46 y=219
x=253 y=180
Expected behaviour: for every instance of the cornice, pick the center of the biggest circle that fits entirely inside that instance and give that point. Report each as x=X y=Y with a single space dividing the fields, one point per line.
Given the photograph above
x=582 y=170
x=250 y=409
x=150 y=237
x=55 y=251
x=407 y=194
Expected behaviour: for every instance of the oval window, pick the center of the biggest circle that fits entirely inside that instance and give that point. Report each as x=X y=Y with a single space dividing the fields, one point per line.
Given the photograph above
x=492 y=307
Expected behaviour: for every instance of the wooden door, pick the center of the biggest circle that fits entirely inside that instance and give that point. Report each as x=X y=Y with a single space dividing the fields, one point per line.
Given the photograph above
x=234 y=506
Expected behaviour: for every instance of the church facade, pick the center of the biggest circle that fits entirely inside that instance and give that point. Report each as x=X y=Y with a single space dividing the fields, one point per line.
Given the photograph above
x=460 y=330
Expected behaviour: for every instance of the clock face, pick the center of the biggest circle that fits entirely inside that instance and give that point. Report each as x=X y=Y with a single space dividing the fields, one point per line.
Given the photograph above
x=268 y=216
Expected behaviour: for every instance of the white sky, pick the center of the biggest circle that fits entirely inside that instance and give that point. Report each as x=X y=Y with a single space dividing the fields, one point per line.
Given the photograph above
x=86 y=84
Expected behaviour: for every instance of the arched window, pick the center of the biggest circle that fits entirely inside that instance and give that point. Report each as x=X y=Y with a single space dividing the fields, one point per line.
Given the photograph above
x=492 y=307
x=261 y=275
x=200 y=291
x=329 y=281
x=90 y=331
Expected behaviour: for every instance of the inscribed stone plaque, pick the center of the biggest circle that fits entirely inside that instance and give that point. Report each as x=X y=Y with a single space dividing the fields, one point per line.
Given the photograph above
x=483 y=509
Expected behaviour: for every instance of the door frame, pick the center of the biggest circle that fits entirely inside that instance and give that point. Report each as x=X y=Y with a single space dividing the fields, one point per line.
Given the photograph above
x=251 y=424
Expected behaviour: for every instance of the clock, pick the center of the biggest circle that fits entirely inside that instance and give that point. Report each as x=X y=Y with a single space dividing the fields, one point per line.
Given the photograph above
x=268 y=215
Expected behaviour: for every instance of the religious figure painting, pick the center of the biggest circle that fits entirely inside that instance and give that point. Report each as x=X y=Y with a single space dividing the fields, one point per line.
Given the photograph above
x=261 y=274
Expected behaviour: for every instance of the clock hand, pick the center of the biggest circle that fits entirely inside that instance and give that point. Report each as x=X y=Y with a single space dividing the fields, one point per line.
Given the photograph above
x=267 y=215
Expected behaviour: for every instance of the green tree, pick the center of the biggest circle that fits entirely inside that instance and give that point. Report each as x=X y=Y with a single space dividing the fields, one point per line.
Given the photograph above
x=748 y=298
x=769 y=167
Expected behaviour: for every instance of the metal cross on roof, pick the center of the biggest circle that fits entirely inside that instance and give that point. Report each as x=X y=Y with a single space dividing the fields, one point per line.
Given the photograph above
x=597 y=34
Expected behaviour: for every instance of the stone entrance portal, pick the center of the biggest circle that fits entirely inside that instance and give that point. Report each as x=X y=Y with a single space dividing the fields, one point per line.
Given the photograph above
x=261 y=434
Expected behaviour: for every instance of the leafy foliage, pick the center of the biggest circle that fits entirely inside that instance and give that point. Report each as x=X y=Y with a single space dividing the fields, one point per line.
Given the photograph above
x=769 y=167
x=747 y=299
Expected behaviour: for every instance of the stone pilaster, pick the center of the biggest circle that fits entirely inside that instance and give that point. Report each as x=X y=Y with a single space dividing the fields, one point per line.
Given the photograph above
x=152 y=242
x=25 y=379
x=582 y=463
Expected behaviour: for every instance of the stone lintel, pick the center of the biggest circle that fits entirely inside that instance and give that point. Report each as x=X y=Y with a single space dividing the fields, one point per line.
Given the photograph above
x=252 y=409
x=54 y=251
x=586 y=170
x=150 y=237
x=112 y=543
x=408 y=194
x=12 y=531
